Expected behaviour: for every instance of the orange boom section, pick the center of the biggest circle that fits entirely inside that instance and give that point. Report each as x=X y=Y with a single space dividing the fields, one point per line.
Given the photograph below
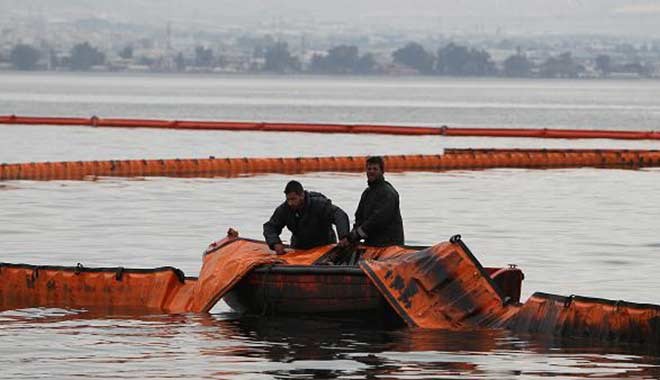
x=453 y=159
x=590 y=318
x=103 y=289
x=441 y=287
x=135 y=290
x=95 y=121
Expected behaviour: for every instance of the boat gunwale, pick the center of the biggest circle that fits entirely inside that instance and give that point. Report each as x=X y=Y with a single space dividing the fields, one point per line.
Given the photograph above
x=214 y=249
x=350 y=270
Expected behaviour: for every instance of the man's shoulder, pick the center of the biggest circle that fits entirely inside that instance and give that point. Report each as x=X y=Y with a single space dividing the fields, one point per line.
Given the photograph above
x=390 y=187
x=317 y=198
x=384 y=189
x=315 y=194
x=383 y=186
x=282 y=208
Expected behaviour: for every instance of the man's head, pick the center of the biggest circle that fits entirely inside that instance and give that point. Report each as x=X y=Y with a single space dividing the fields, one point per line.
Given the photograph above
x=295 y=195
x=375 y=168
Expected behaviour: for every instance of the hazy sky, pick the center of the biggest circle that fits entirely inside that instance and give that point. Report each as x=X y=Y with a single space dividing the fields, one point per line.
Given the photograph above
x=625 y=17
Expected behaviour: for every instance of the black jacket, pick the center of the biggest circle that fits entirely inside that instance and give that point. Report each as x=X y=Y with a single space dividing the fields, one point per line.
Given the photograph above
x=378 y=215
x=311 y=226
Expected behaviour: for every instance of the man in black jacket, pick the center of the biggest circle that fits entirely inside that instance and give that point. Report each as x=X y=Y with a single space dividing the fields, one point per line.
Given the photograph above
x=309 y=216
x=378 y=217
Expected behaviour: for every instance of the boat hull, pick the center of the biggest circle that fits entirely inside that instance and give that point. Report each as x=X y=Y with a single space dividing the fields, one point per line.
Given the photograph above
x=285 y=289
x=321 y=289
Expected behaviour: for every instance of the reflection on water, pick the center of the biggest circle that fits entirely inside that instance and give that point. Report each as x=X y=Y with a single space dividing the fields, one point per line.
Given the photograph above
x=226 y=345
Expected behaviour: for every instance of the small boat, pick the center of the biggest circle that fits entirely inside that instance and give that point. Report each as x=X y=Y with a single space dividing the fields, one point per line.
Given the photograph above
x=327 y=289
x=333 y=283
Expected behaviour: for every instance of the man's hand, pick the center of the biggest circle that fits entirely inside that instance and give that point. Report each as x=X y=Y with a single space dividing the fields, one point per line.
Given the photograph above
x=344 y=243
x=279 y=249
x=353 y=237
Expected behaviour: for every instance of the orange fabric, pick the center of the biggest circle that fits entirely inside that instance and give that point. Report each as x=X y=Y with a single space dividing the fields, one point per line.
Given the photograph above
x=305 y=257
x=442 y=287
x=224 y=267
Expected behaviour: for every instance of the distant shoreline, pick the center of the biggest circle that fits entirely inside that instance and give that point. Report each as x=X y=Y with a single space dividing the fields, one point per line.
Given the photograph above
x=109 y=73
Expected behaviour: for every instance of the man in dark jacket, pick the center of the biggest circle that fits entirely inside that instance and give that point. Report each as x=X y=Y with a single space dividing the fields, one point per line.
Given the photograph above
x=378 y=217
x=309 y=216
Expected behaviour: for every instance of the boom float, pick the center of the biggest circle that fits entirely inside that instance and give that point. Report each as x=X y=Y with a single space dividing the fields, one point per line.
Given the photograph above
x=452 y=159
x=548 y=133
x=438 y=287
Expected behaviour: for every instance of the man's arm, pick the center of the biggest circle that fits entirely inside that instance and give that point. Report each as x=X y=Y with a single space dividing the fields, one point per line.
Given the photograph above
x=340 y=220
x=273 y=228
x=380 y=216
x=360 y=210
x=353 y=236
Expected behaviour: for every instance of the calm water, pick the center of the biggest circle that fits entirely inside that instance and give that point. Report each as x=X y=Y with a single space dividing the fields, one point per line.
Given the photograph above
x=589 y=232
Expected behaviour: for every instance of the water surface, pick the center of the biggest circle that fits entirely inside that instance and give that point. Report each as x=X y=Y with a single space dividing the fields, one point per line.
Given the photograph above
x=591 y=232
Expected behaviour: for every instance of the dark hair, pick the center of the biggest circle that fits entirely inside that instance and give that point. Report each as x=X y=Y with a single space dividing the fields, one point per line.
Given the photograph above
x=293 y=187
x=377 y=160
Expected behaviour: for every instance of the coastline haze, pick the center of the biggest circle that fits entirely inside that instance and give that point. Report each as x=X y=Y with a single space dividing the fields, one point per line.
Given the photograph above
x=607 y=17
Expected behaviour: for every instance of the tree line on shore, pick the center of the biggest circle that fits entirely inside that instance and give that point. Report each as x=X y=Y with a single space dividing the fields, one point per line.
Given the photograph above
x=449 y=60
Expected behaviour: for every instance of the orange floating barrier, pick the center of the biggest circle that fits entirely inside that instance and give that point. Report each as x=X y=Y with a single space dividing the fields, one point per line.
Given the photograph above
x=103 y=289
x=119 y=289
x=463 y=159
x=225 y=264
x=439 y=287
x=95 y=121
x=590 y=318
